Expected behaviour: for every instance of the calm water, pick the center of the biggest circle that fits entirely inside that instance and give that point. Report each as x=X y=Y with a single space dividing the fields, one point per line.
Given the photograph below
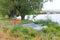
x=54 y=17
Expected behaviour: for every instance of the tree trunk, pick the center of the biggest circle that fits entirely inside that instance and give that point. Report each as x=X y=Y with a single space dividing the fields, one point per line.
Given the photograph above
x=12 y=13
x=22 y=17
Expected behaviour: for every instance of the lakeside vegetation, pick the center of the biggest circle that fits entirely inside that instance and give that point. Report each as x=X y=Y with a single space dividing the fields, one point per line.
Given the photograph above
x=26 y=33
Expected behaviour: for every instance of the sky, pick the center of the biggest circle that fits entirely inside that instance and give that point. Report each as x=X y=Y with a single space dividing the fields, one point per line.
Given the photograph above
x=52 y=6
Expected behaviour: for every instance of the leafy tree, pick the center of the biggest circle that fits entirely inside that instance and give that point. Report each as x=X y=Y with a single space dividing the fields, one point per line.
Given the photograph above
x=10 y=7
x=13 y=8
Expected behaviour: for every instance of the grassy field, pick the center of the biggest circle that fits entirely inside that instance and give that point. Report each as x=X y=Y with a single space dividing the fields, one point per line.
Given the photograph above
x=12 y=31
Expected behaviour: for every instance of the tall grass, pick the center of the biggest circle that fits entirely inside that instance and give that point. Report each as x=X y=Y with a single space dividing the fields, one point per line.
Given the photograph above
x=19 y=32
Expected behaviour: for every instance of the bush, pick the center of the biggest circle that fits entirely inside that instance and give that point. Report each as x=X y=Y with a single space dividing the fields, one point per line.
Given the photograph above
x=48 y=23
x=18 y=31
x=25 y=21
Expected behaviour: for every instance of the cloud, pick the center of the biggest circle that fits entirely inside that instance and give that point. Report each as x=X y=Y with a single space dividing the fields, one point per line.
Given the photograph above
x=54 y=6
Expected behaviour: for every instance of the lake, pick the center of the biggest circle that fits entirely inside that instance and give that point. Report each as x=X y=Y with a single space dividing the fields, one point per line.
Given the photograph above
x=54 y=17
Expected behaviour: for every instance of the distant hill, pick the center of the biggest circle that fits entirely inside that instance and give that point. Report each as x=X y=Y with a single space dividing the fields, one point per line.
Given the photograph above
x=49 y=12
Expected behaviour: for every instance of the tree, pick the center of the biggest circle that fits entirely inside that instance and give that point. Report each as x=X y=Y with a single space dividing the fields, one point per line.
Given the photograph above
x=24 y=7
x=27 y=6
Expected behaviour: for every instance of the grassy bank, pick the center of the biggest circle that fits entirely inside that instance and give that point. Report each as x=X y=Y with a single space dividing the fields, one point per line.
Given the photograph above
x=11 y=31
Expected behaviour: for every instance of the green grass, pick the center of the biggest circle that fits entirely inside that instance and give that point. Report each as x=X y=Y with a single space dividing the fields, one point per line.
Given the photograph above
x=29 y=33
x=26 y=21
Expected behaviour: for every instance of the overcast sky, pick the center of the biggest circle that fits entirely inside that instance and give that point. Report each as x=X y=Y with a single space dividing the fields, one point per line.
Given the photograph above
x=55 y=5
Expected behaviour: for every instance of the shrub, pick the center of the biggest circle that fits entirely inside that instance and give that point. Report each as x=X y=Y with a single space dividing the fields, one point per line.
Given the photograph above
x=25 y=21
